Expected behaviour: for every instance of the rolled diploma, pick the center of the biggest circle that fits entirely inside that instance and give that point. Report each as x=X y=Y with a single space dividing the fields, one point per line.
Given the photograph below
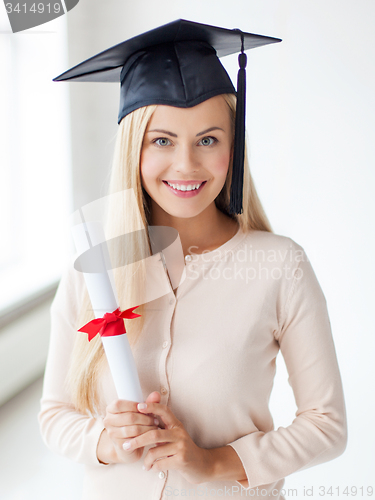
x=102 y=293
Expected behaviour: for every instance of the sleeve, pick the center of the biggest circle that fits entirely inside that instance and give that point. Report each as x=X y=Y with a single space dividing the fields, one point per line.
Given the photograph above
x=319 y=431
x=65 y=430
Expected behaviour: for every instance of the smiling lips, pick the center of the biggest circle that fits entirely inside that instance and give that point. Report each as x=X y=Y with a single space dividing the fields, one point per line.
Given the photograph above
x=185 y=189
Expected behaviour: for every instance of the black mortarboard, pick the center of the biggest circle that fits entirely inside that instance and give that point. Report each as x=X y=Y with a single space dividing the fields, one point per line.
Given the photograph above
x=178 y=65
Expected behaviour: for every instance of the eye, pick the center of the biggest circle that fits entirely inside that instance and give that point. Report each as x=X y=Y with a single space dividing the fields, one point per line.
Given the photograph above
x=207 y=141
x=162 y=142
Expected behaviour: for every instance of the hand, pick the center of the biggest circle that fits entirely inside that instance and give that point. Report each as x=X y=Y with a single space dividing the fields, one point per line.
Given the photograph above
x=124 y=421
x=175 y=450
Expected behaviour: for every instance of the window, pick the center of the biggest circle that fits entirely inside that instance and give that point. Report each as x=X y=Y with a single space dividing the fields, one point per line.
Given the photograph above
x=35 y=179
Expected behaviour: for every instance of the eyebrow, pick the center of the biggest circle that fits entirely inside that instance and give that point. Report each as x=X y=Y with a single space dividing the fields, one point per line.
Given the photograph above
x=175 y=135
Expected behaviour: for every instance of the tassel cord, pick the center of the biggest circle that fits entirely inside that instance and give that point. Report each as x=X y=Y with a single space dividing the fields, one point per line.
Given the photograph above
x=239 y=138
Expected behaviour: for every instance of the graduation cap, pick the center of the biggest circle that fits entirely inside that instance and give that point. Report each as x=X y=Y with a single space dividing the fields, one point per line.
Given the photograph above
x=177 y=65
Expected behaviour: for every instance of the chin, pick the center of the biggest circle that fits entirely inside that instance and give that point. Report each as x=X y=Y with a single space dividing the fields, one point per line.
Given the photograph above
x=183 y=213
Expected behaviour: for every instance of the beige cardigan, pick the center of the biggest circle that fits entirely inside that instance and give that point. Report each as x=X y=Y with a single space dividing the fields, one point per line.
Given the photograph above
x=210 y=351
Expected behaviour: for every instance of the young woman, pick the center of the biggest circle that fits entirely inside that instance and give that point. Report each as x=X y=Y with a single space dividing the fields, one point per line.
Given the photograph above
x=206 y=351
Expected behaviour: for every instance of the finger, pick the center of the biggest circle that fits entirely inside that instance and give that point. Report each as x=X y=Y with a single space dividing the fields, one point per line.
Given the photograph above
x=162 y=411
x=161 y=451
x=122 y=405
x=152 y=437
x=129 y=418
x=130 y=431
x=163 y=464
x=154 y=397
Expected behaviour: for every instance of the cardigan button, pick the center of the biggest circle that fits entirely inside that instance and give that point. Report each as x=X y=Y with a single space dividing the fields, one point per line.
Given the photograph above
x=165 y=343
x=162 y=474
x=163 y=390
x=188 y=258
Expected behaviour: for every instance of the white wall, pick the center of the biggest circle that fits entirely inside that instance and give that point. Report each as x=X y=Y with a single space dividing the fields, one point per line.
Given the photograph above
x=23 y=350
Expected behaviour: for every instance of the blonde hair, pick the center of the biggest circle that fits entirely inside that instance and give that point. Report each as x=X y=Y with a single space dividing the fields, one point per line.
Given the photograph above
x=88 y=359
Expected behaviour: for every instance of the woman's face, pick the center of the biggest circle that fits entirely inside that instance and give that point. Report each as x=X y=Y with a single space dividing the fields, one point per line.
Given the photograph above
x=185 y=156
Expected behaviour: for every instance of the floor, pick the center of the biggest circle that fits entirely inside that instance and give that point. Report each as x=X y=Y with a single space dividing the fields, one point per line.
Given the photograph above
x=39 y=474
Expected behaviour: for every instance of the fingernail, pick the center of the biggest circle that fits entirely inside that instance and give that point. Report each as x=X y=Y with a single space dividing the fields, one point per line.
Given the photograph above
x=156 y=421
x=143 y=467
x=142 y=406
x=127 y=445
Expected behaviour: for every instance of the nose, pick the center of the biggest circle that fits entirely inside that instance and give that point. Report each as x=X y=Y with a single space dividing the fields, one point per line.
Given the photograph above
x=185 y=160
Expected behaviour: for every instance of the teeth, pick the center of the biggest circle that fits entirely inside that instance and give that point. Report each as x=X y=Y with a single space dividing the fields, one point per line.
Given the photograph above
x=183 y=187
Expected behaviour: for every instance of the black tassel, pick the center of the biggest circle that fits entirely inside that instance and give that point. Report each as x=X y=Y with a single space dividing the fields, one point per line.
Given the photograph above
x=236 y=189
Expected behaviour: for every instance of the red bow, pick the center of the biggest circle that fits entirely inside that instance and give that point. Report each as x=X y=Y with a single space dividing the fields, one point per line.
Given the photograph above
x=111 y=324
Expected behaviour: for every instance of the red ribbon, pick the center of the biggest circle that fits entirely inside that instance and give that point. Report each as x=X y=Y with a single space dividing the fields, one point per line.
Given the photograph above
x=110 y=324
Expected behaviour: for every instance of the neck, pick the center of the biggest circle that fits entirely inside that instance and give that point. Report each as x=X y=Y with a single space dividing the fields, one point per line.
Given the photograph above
x=204 y=232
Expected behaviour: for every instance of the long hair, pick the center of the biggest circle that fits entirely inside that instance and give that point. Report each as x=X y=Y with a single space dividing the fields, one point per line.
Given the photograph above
x=88 y=358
